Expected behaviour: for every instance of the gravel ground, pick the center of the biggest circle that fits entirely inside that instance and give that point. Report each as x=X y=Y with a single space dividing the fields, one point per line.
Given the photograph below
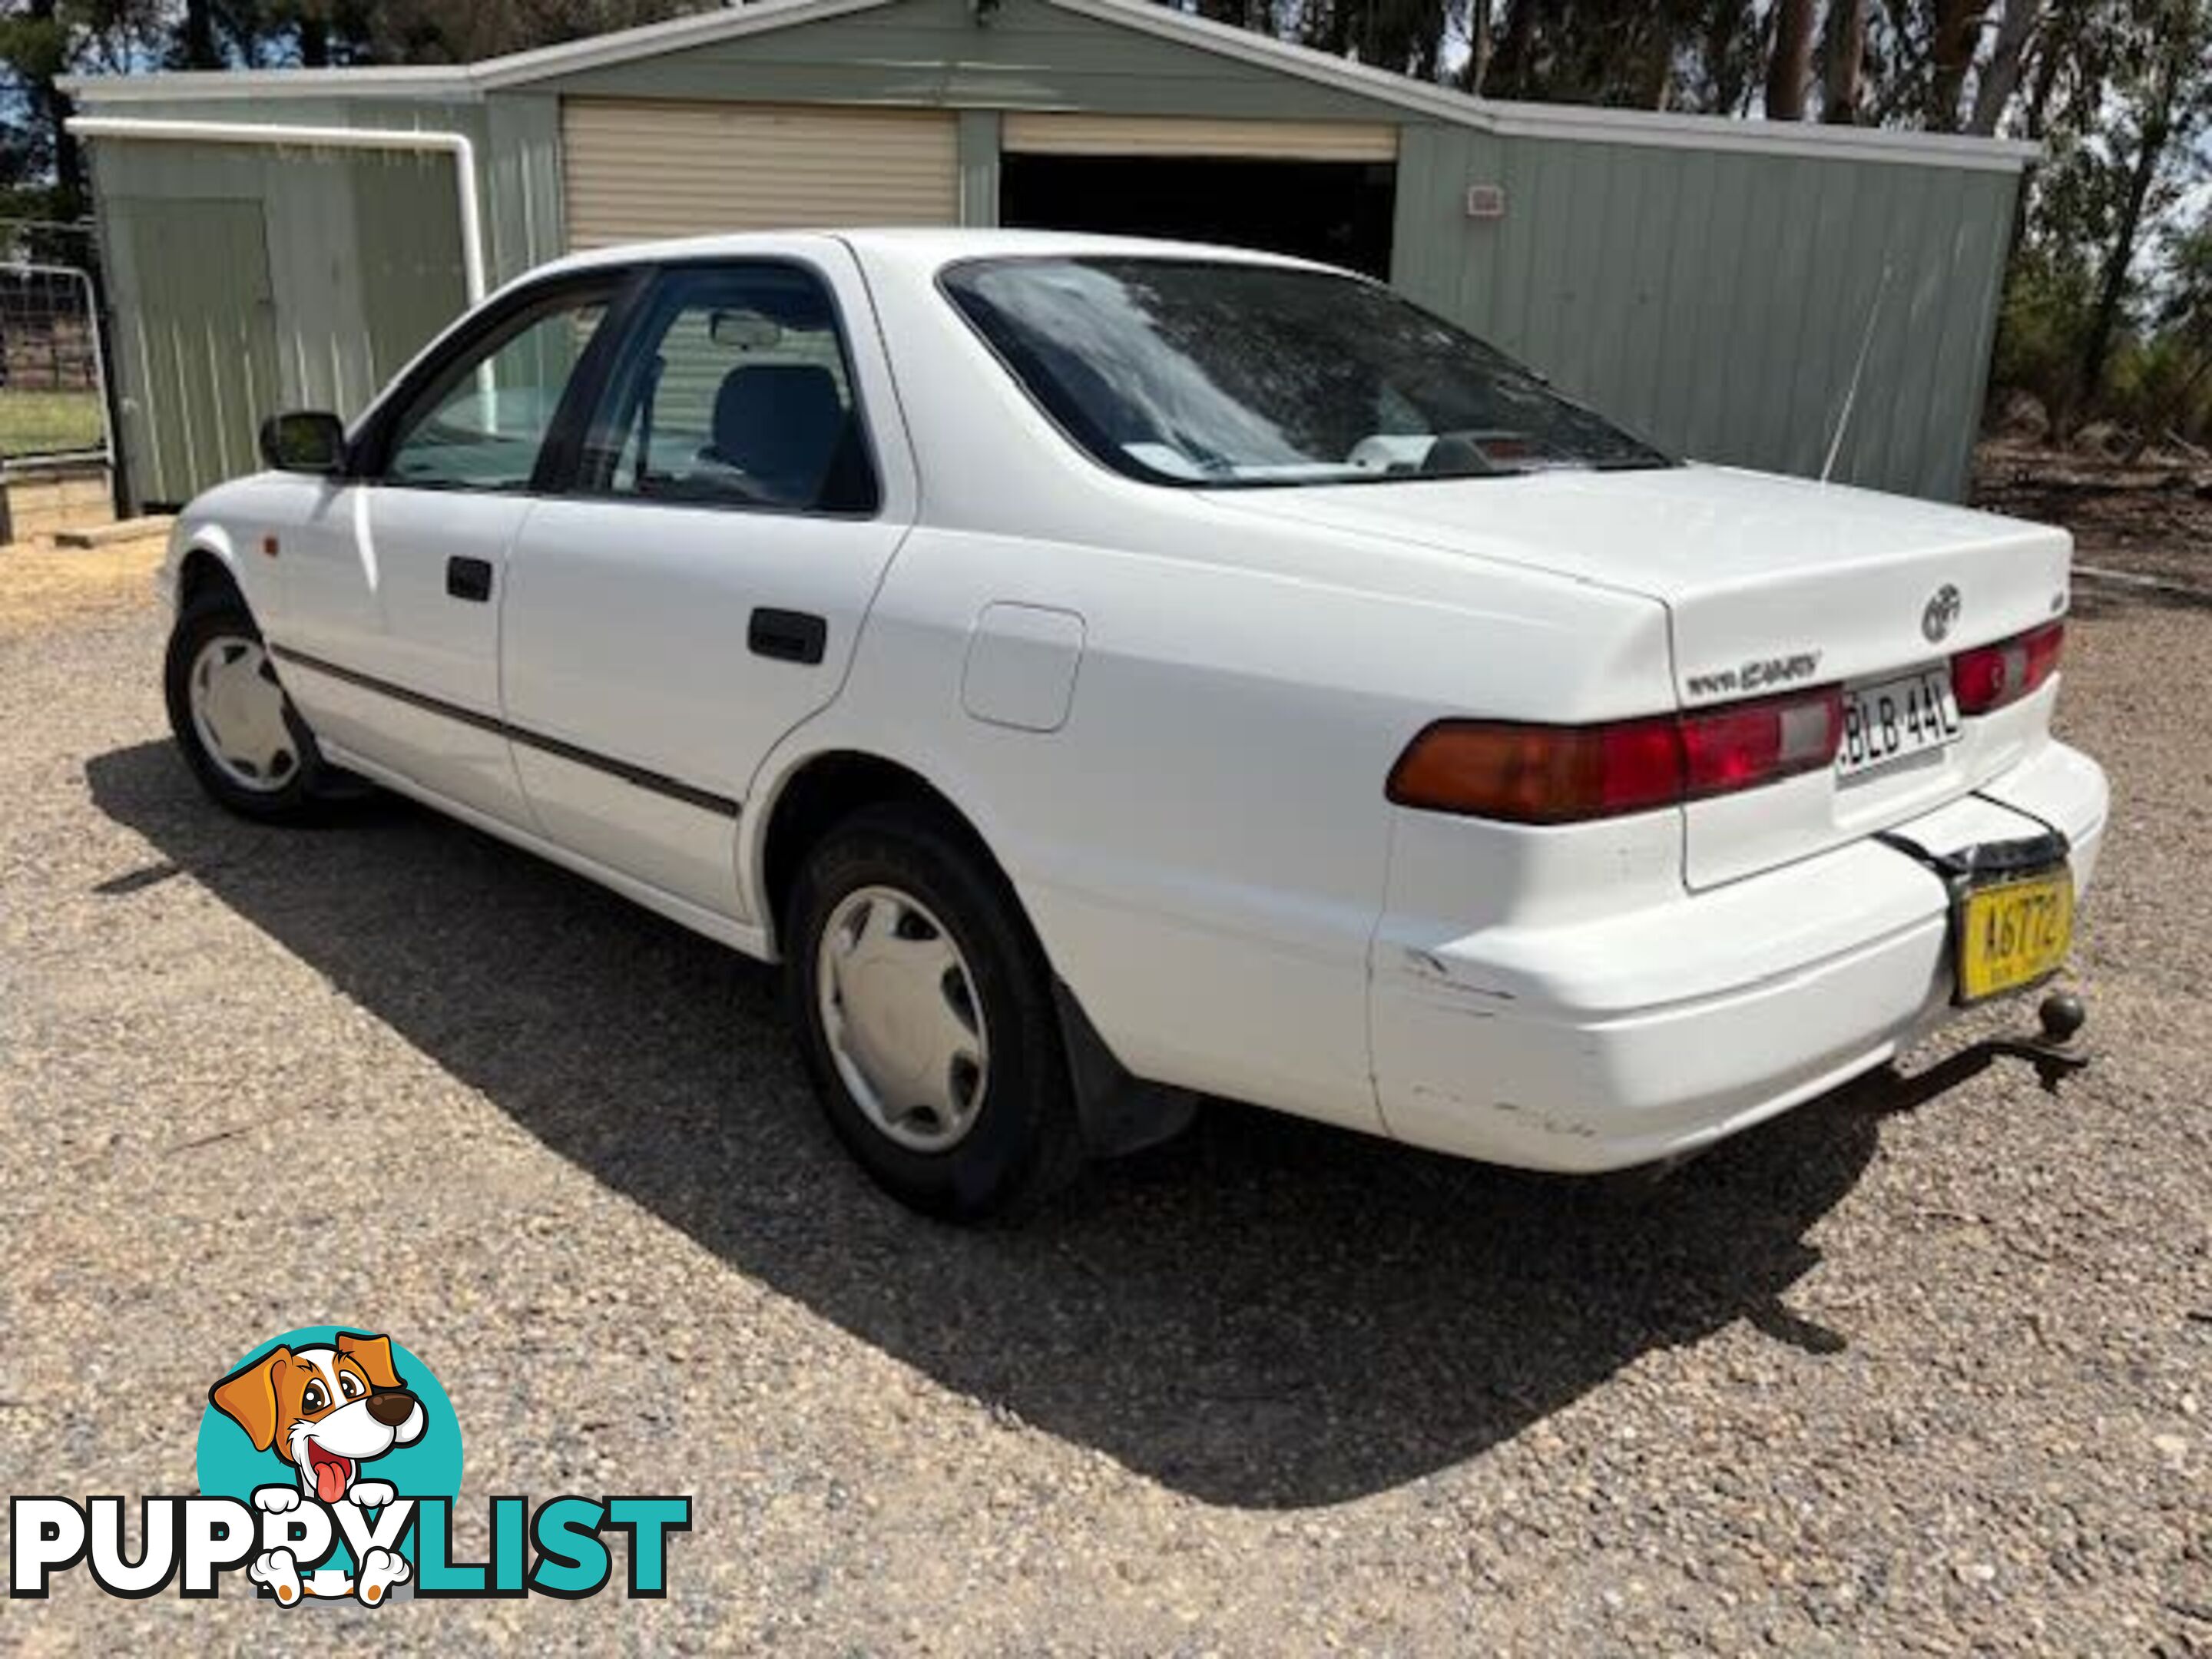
x=1910 y=1370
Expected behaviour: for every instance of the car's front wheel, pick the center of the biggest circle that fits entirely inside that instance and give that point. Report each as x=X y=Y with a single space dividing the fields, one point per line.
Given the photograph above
x=925 y=1008
x=244 y=742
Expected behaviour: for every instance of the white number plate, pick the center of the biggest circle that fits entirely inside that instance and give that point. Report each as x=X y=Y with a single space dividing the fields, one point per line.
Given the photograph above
x=1891 y=720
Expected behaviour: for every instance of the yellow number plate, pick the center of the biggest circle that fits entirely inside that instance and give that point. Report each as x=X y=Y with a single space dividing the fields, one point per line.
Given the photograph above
x=2013 y=934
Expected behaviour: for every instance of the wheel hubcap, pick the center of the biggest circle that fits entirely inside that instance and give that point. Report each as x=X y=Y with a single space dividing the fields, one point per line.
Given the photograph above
x=238 y=710
x=904 y=1025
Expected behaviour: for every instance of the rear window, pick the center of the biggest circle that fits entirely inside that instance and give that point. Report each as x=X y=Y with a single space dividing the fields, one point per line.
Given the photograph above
x=1205 y=372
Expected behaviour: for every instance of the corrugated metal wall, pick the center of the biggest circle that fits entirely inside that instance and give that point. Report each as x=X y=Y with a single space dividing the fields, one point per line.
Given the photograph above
x=339 y=265
x=202 y=349
x=1717 y=301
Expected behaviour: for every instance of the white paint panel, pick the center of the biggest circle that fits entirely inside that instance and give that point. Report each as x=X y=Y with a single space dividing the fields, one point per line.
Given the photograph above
x=1148 y=135
x=639 y=169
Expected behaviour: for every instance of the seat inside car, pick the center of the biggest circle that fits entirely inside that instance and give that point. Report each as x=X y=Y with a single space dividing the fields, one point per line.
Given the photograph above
x=781 y=424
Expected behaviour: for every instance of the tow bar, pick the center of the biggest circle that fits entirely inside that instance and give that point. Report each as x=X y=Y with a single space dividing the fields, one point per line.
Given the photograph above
x=2054 y=1053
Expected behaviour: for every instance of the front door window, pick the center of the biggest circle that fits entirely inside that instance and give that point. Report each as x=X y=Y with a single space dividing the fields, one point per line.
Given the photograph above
x=481 y=423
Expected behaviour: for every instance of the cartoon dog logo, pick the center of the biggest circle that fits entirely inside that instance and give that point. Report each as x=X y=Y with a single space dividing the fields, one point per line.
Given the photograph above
x=325 y=1411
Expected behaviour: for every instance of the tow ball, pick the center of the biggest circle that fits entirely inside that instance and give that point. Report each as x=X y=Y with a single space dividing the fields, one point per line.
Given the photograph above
x=2054 y=1053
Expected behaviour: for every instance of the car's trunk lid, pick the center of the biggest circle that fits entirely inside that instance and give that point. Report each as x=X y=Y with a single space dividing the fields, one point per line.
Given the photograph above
x=1770 y=584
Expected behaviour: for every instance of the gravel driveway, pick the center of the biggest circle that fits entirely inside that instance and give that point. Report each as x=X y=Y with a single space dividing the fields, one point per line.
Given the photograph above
x=1913 y=1369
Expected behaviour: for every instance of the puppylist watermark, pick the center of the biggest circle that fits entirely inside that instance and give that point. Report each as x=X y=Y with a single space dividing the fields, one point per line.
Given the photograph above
x=329 y=1463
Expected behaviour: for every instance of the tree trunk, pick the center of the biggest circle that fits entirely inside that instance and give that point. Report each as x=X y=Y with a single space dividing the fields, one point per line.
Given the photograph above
x=2052 y=50
x=1477 y=69
x=1951 y=54
x=196 y=42
x=2000 y=79
x=1790 y=71
x=2113 y=288
x=1731 y=50
x=1513 y=63
x=1655 y=65
x=1845 y=50
x=50 y=109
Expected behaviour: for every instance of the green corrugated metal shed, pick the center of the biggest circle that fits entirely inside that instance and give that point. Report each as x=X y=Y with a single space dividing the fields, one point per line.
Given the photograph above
x=1712 y=283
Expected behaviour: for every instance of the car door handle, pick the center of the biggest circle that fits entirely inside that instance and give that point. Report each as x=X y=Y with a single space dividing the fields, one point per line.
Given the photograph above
x=787 y=636
x=468 y=578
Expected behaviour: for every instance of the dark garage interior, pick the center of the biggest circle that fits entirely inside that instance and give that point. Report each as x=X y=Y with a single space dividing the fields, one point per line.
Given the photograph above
x=1336 y=211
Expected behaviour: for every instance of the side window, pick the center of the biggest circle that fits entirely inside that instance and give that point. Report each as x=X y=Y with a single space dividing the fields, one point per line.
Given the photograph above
x=480 y=423
x=734 y=390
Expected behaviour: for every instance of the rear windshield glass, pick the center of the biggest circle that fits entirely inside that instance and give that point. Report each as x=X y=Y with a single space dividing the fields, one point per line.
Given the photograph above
x=1211 y=372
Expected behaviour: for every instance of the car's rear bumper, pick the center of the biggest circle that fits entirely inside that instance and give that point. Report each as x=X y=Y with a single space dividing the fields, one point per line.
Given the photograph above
x=1614 y=1041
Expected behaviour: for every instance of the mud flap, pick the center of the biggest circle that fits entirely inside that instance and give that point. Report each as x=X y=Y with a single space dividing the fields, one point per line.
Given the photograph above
x=1118 y=1113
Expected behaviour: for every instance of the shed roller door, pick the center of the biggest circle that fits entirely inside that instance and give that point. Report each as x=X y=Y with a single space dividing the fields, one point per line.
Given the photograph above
x=1026 y=134
x=636 y=170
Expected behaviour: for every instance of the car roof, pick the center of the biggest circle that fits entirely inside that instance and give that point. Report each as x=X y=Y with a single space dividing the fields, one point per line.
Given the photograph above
x=927 y=246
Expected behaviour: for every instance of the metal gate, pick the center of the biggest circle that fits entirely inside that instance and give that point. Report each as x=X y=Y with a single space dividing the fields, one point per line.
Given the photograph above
x=56 y=453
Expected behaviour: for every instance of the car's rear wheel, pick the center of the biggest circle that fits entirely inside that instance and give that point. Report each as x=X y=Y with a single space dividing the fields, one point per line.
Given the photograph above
x=244 y=742
x=925 y=1008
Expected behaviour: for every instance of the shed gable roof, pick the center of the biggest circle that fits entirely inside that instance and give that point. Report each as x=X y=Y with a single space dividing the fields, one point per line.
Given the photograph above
x=547 y=68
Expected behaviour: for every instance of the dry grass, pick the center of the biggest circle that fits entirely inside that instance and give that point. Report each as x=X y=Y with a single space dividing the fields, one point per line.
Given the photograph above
x=40 y=583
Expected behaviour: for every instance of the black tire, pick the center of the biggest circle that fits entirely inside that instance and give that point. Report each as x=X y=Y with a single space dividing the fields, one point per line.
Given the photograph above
x=307 y=786
x=1024 y=1143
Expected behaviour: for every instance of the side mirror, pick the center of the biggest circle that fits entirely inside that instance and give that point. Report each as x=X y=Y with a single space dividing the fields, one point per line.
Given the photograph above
x=304 y=440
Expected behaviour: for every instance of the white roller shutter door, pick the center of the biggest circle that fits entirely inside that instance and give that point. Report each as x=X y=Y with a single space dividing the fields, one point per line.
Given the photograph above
x=1154 y=135
x=636 y=170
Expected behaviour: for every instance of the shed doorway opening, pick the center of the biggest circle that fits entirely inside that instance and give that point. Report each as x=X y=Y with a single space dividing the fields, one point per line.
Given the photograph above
x=1335 y=211
x=1320 y=190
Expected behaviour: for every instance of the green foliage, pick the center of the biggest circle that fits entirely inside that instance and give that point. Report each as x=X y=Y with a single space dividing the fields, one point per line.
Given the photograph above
x=2098 y=312
x=2160 y=384
x=2048 y=298
x=2171 y=379
x=2158 y=374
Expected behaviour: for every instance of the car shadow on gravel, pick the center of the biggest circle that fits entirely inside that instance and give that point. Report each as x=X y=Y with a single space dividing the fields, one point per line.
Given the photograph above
x=1263 y=1313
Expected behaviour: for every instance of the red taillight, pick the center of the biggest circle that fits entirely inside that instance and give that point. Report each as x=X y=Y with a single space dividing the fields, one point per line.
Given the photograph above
x=1754 y=743
x=1529 y=774
x=1991 y=676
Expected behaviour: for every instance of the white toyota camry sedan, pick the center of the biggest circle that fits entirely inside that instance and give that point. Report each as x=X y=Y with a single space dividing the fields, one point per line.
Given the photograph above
x=1106 y=673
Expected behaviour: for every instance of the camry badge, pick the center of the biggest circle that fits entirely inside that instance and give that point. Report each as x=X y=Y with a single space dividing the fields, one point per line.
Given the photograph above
x=1943 y=611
